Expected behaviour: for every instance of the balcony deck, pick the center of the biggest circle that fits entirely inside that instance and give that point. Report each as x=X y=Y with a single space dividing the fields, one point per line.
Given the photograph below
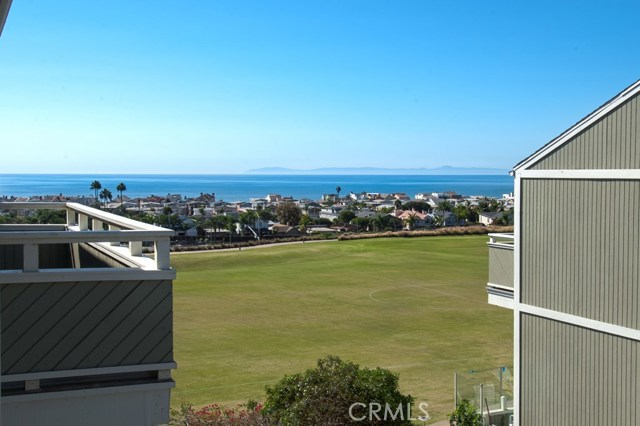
x=84 y=313
x=501 y=278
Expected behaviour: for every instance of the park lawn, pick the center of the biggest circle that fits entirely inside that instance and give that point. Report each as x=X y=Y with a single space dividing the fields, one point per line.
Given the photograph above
x=418 y=306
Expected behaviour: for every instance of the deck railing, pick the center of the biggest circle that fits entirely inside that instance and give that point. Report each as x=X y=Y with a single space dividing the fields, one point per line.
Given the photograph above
x=501 y=260
x=88 y=225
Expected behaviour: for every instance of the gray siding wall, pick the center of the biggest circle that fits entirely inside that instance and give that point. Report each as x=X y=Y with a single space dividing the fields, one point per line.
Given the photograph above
x=501 y=266
x=579 y=248
x=64 y=326
x=577 y=377
x=611 y=143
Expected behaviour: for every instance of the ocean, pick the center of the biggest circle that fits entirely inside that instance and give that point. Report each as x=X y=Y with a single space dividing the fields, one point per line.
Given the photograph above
x=243 y=187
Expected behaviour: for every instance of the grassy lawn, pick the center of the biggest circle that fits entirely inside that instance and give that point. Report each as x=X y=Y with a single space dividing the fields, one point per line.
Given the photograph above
x=418 y=306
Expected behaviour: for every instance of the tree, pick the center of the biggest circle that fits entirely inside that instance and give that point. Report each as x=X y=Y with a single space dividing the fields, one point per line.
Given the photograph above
x=305 y=221
x=419 y=206
x=410 y=220
x=362 y=223
x=121 y=188
x=461 y=213
x=288 y=213
x=338 y=189
x=327 y=395
x=445 y=206
x=96 y=186
x=346 y=216
x=465 y=415
x=105 y=195
x=230 y=225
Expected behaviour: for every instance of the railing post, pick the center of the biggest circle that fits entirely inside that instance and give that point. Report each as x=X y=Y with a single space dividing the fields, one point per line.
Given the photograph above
x=162 y=249
x=96 y=225
x=114 y=228
x=135 y=248
x=71 y=217
x=30 y=261
x=83 y=222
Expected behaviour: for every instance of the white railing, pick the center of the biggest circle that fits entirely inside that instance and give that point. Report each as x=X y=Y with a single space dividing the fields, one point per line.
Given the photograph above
x=86 y=225
x=501 y=240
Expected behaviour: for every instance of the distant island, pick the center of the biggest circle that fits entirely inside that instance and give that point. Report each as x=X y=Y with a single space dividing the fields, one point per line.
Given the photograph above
x=444 y=170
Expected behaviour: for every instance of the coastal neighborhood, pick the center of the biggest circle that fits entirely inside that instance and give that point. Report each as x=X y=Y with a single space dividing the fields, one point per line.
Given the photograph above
x=205 y=218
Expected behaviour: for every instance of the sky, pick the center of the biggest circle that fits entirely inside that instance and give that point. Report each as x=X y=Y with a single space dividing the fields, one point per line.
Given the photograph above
x=226 y=86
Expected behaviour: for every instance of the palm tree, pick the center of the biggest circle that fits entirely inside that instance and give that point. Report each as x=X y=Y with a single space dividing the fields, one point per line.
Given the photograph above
x=106 y=195
x=96 y=186
x=338 y=189
x=121 y=188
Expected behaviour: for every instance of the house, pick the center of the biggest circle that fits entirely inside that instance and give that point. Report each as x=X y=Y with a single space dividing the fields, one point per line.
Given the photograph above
x=281 y=230
x=487 y=218
x=273 y=198
x=413 y=219
x=331 y=212
x=570 y=272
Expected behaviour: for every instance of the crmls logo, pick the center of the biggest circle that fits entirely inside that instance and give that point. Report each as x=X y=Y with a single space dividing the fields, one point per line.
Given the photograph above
x=359 y=412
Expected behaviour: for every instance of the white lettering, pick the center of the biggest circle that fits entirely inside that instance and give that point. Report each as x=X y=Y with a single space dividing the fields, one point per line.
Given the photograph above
x=375 y=412
x=357 y=419
x=388 y=410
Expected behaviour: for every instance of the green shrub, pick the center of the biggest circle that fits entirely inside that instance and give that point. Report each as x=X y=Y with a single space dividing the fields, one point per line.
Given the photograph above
x=325 y=394
x=465 y=414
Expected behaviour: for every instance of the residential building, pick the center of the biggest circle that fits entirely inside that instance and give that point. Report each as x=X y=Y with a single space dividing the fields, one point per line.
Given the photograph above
x=87 y=320
x=571 y=273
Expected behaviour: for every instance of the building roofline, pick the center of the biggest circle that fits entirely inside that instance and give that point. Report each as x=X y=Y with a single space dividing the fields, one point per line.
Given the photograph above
x=5 y=5
x=580 y=126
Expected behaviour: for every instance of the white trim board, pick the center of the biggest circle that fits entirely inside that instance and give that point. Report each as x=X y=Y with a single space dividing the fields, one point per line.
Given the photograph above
x=88 y=274
x=42 y=375
x=616 y=330
x=595 y=174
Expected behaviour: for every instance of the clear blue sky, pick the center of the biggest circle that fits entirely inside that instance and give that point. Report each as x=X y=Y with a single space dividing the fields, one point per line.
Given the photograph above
x=225 y=86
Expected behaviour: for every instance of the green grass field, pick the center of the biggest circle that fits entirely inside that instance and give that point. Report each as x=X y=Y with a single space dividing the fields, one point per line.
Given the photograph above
x=243 y=319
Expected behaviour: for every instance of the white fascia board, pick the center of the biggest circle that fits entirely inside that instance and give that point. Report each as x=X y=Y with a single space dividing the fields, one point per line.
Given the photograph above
x=517 y=235
x=596 y=174
x=580 y=126
x=616 y=330
x=88 y=274
x=503 y=302
x=43 y=375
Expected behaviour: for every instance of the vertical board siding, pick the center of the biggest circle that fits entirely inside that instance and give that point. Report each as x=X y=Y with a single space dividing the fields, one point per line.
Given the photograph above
x=611 y=143
x=49 y=256
x=64 y=326
x=501 y=266
x=572 y=376
x=579 y=248
x=11 y=256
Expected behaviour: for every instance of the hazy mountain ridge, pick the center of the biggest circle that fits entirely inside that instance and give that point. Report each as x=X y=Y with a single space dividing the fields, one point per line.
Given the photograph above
x=444 y=170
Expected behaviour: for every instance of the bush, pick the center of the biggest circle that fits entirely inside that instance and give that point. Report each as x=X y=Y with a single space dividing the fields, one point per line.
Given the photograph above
x=216 y=415
x=465 y=415
x=324 y=395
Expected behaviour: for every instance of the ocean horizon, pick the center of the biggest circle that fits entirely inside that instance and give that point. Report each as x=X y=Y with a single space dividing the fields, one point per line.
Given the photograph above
x=242 y=187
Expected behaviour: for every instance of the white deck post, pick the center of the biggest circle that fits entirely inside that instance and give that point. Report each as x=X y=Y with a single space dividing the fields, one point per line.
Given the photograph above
x=162 y=248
